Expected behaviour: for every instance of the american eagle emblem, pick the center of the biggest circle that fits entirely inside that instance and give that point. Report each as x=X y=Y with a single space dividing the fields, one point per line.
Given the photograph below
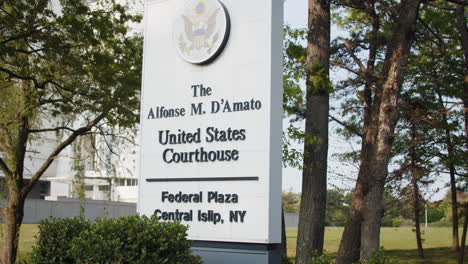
x=201 y=30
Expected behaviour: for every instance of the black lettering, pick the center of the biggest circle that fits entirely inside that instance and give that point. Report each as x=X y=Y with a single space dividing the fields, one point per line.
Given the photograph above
x=235 y=155
x=151 y=114
x=209 y=134
x=164 y=196
x=227 y=107
x=236 y=216
x=197 y=109
x=195 y=90
x=235 y=198
x=242 y=134
x=156 y=212
x=165 y=155
x=215 y=106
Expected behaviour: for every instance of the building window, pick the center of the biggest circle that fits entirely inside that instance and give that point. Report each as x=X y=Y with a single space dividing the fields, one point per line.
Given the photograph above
x=104 y=188
x=89 y=188
x=120 y=182
x=132 y=182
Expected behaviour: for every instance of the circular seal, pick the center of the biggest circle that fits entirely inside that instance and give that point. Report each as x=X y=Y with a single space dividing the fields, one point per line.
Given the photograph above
x=201 y=31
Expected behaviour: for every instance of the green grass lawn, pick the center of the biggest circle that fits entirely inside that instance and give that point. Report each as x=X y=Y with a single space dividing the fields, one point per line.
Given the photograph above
x=27 y=238
x=399 y=242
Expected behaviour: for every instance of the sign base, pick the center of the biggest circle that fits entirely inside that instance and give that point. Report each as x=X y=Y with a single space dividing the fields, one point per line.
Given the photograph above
x=235 y=253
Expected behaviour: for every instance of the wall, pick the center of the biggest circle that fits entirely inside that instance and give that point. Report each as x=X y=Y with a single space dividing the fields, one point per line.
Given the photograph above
x=37 y=210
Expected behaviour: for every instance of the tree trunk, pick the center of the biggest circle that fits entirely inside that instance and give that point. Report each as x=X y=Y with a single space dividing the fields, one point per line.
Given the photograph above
x=415 y=177
x=284 y=240
x=417 y=211
x=314 y=183
x=453 y=188
x=453 y=183
x=463 y=29
x=13 y=216
x=350 y=247
x=461 y=25
x=313 y=201
x=367 y=205
x=14 y=211
x=461 y=255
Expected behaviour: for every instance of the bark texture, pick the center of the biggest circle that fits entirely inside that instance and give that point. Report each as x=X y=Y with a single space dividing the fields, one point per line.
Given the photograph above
x=367 y=207
x=415 y=177
x=461 y=255
x=314 y=184
x=350 y=247
x=284 y=245
x=453 y=188
x=13 y=216
x=451 y=167
x=463 y=29
x=417 y=211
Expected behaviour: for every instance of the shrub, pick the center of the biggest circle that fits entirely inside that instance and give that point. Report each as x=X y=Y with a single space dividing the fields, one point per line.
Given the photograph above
x=54 y=239
x=320 y=259
x=397 y=221
x=379 y=257
x=285 y=260
x=387 y=221
x=134 y=239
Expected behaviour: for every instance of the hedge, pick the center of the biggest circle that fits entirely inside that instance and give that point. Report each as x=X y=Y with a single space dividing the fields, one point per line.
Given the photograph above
x=133 y=239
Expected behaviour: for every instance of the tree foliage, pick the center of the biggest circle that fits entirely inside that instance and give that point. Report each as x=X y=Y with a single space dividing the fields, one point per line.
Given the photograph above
x=66 y=70
x=412 y=110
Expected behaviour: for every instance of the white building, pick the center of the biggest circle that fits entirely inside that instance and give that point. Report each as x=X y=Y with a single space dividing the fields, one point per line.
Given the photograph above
x=93 y=167
x=98 y=168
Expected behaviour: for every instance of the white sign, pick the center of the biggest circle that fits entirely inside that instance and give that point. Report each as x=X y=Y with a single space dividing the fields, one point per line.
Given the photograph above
x=211 y=118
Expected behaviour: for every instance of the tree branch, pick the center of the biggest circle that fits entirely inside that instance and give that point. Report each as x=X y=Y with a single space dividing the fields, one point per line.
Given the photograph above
x=356 y=4
x=2 y=211
x=440 y=7
x=349 y=48
x=463 y=29
x=391 y=12
x=21 y=36
x=431 y=31
x=14 y=75
x=4 y=168
x=458 y=2
x=29 y=51
x=335 y=63
x=348 y=127
x=51 y=101
x=448 y=172
x=5 y=149
x=56 y=129
x=28 y=187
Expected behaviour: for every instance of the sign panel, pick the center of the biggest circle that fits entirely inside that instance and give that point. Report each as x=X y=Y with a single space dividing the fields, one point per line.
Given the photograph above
x=210 y=153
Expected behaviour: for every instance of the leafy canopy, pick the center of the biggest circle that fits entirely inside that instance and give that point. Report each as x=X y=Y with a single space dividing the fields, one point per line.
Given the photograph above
x=68 y=60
